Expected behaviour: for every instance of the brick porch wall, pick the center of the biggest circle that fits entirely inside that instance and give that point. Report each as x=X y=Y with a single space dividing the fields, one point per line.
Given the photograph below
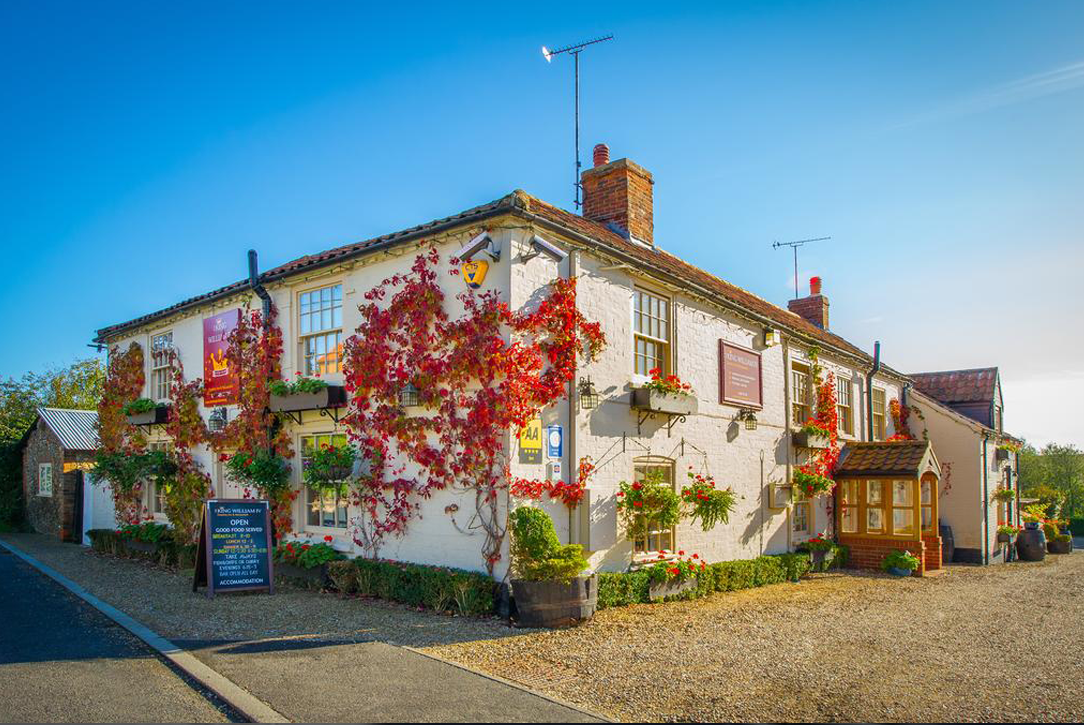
x=867 y=552
x=933 y=551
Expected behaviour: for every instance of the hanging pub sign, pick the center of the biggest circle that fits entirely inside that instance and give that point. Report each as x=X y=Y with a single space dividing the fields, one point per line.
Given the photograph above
x=530 y=442
x=739 y=376
x=474 y=272
x=219 y=379
x=234 y=550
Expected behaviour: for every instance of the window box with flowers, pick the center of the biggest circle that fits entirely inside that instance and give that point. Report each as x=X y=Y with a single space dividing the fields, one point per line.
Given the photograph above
x=1006 y=533
x=305 y=563
x=813 y=435
x=145 y=411
x=305 y=393
x=665 y=394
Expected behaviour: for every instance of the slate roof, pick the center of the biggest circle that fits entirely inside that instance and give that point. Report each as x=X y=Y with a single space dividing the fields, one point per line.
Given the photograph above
x=977 y=385
x=882 y=458
x=653 y=259
x=76 y=429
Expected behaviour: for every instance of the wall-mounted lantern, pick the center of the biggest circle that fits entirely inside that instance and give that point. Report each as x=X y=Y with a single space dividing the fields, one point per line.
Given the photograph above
x=771 y=337
x=588 y=394
x=749 y=417
x=408 y=396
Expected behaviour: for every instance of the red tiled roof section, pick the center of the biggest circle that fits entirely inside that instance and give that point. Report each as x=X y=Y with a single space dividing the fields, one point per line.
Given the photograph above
x=882 y=458
x=656 y=258
x=958 y=386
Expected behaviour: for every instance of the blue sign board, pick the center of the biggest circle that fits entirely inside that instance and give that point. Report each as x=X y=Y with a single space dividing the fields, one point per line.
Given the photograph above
x=555 y=441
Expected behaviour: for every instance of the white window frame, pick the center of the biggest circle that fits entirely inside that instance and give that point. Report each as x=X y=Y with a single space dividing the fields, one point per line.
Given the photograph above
x=646 y=463
x=45 y=480
x=153 y=499
x=161 y=367
x=845 y=385
x=307 y=492
x=331 y=331
x=801 y=380
x=664 y=325
x=879 y=435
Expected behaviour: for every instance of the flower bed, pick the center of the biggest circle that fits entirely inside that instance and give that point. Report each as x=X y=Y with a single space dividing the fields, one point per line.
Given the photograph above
x=618 y=589
x=442 y=589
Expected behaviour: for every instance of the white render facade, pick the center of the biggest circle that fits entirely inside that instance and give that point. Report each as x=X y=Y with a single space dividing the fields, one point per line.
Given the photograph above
x=610 y=270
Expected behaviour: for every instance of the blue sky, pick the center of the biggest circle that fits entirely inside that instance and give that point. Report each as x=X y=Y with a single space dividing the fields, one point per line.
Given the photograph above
x=146 y=146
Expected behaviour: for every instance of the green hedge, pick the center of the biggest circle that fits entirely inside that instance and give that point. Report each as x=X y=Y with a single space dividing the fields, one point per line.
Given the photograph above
x=167 y=552
x=617 y=589
x=441 y=589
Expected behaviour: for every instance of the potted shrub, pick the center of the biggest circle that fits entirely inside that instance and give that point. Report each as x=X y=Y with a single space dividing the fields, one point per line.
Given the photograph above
x=304 y=562
x=305 y=393
x=900 y=563
x=665 y=394
x=546 y=581
x=145 y=411
x=1056 y=541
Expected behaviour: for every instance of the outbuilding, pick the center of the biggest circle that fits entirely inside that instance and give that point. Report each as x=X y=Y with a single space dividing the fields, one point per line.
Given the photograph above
x=58 y=449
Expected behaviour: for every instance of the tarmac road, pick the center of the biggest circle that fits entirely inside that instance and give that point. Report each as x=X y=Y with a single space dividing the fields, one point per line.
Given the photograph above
x=63 y=661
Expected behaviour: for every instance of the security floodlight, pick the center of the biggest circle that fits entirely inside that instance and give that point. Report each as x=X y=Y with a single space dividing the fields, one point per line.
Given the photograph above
x=480 y=242
x=541 y=246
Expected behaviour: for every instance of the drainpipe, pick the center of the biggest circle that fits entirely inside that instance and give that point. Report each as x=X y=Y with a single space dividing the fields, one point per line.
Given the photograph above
x=257 y=287
x=573 y=464
x=786 y=431
x=985 y=503
x=869 y=388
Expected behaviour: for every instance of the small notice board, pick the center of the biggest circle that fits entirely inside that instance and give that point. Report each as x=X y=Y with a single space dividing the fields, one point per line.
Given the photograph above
x=234 y=551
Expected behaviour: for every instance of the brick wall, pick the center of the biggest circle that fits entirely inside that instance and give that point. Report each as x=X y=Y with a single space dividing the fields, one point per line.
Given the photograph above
x=868 y=552
x=813 y=308
x=933 y=551
x=620 y=192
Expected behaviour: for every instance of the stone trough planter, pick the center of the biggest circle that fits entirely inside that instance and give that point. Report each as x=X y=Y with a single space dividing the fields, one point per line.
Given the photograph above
x=314 y=578
x=804 y=439
x=156 y=416
x=554 y=604
x=653 y=401
x=666 y=590
x=142 y=548
x=333 y=396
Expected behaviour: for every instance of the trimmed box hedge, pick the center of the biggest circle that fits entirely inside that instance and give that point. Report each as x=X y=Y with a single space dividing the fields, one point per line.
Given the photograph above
x=165 y=551
x=617 y=589
x=441 y=589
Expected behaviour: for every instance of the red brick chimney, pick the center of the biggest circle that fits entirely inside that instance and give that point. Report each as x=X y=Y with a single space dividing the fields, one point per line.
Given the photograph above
x=813 y=308
x=619 y=192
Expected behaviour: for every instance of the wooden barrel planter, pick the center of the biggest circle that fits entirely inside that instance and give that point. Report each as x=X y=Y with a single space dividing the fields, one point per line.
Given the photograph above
x=1031 y=544
x=553 y=604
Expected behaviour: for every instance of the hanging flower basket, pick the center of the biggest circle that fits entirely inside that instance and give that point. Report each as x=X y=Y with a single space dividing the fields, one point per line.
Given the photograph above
x=263 y=470
x=329 y=467
x=811 y=483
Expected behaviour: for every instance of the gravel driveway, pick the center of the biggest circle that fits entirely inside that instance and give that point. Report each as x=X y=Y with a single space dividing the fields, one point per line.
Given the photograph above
x=996 y=643
x=976 y=643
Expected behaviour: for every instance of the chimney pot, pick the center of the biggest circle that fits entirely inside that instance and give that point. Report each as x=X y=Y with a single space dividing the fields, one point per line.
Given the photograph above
x=814 y=285
x=602 y=154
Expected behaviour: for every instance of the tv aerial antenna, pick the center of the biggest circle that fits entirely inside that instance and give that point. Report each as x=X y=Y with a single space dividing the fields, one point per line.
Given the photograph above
x=794 y=245
x=574 y=51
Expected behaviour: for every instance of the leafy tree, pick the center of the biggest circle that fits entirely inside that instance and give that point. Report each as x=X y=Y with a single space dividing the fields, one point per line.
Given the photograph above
x=1054 y=475
x=77 y=386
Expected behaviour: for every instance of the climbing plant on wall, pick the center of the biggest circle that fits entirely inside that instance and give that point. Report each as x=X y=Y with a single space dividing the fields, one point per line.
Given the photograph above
x=815 y=477
x=122 y=445
x=478 y=377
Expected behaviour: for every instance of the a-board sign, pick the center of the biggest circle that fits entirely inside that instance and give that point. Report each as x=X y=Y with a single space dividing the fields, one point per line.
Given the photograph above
x=234 y=551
